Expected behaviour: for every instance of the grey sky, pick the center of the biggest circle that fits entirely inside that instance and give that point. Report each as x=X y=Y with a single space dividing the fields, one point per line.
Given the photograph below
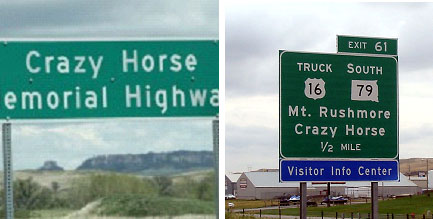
x=70 y=143
x=256 y=32
x=109 y=18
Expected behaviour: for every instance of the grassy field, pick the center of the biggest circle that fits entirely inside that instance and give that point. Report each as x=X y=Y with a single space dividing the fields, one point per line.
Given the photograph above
x=136 y=205
x=65 y=178
x=45 y=178
x=246 y=204
x=230 y=215
x=58 y=213
x=99 y=194
x=417 y=204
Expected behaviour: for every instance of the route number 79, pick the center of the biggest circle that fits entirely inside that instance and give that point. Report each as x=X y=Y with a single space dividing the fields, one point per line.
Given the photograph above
x=365 y=90
x=368 y=89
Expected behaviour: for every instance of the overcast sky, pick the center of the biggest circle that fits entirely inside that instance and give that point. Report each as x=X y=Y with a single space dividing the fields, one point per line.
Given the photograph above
x=70 y=143
x=109 y=18
x=257 y=30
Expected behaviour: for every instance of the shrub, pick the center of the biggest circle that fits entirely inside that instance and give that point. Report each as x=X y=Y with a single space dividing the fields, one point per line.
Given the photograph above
x=189 y=188
x=30 y=195
x=96 y=186
x=140 y=205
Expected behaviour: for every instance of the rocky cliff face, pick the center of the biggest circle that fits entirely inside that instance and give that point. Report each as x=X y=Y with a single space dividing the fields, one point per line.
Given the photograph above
x=176 y=160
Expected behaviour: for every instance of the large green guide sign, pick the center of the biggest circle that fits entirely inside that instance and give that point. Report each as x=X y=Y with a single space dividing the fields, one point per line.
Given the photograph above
x=338 y=106
x=91 y=79
x=367 y=45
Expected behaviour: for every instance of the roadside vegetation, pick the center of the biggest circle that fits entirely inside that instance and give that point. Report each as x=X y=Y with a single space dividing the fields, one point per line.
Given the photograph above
x=417 y=205
x=246 y=204
x=117 y=195
x=138 y=205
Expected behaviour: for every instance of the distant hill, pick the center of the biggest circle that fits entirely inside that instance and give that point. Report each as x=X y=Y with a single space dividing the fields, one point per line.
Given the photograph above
x=151 y=163
x=50 y=165
x=412 y=166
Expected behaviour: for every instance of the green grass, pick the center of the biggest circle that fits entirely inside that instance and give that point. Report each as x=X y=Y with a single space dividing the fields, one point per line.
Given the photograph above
x=246 y=204
x=229 y=215
x=139 y=205
x=52 y=213
x=416 y=204
x=121 y=194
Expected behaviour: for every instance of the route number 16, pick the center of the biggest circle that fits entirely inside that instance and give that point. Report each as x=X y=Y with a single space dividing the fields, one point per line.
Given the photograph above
x=314 y=88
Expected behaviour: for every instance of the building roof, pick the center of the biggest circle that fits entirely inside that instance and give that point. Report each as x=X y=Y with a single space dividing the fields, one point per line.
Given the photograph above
x=271 y=179
x=266 y=170
x=233 y=177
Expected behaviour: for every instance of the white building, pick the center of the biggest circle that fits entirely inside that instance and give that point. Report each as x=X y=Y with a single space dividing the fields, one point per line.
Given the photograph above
x=230 y=183
x=266 y=185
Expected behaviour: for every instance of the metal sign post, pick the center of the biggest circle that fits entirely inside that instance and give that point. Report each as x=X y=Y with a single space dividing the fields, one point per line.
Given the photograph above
x=328 y=194
x=215 y=133
x=7 y=168
x=303 y=209
x=374 y=200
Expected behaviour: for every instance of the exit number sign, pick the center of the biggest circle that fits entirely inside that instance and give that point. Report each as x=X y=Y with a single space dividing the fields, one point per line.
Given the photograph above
x=367 y=45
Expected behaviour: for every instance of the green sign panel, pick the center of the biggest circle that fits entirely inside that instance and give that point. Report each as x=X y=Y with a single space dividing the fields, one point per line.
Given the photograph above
x=354 y=44
x=338 y=106
x=91 y=79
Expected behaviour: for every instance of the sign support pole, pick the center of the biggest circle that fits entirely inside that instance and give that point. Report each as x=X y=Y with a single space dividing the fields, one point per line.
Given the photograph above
x=374 y=200
x=328 y=194
x=303 y=207
x=215 y=133
x=7 y=170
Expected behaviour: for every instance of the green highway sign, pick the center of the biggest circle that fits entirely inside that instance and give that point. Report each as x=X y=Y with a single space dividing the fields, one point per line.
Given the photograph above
x=368 y=45
x=92 y=79
x=338 y=106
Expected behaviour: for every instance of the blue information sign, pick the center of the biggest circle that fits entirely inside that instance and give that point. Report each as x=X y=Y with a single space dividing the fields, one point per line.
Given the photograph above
x=317 y=170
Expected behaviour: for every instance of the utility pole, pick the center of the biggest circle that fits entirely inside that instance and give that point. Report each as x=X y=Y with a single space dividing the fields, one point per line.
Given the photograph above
x=427 y=175
x=409 y=170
